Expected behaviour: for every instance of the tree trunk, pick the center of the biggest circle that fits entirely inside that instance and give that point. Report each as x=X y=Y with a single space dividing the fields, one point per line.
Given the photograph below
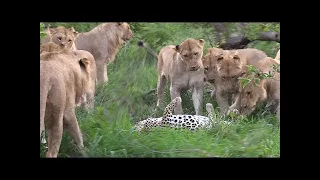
x=241 y=41
x=220 y=30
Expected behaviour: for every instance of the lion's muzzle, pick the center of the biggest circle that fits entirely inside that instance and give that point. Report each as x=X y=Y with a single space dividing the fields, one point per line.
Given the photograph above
x=194 y=68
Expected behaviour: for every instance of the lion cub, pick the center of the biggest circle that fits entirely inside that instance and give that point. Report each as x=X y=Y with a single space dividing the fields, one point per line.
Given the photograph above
x=182 y=66
x=61 y=36
x=226 y=66
x=265 y=90
x=61 y=40
x=64 y=78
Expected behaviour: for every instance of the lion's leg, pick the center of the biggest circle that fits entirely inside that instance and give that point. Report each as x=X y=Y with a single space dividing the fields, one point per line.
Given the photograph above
x=42 y=132
x=236 y=105
x=55 y=130
x=222 y=100
x=275 y=98
x=101 y=71
x=160 y=89
x=197 y=98
x=71 y=124
x=213 y=93
x=105 y=75
x=175 y=92
x=234 y=98
x=90 y=101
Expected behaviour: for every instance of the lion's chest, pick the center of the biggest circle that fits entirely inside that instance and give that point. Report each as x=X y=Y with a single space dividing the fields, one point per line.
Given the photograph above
x=186 y=80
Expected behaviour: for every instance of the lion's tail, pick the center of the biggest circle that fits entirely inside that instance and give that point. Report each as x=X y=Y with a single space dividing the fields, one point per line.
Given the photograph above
x=44 y=89
x=149 y=50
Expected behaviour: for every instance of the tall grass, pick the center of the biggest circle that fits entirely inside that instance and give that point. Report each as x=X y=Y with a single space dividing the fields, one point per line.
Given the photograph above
x=127 y=98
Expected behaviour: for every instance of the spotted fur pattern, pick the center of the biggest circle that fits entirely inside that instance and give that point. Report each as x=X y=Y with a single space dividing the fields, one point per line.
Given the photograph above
x=148 y=124
x=190 y=122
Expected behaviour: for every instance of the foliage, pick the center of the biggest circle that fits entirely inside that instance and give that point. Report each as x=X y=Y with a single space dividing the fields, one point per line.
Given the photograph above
x=80 y=27
x=258 y=75
x=42 y=31
x=130 y=96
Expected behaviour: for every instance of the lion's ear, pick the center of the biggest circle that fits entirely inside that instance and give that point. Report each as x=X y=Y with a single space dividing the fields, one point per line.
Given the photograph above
x=210 y=50
x=201 y=41
x=51 y=30
x=120 y=23
x=177 y=48
x=237 y=60
x=84 y=64
x=75 y=33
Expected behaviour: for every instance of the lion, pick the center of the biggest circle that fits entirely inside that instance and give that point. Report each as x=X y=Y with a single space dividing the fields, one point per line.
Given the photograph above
x=209 y=62
x=182 y=65
x=64 y=78
x=51 y=48
x=104 y=42
x=87 y=101
x=61 y=36
x=278 y=55
x=256 y=92
x=230 y=66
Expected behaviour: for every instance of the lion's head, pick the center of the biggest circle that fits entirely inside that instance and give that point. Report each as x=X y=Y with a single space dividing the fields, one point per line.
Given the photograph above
x=125 y=31
x=191 y=51
x=229 y=68
x=251 y=94
x=62 y=36
x=209 y=62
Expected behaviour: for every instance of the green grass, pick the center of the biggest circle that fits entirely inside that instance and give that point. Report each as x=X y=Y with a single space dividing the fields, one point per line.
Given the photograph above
x=126 y=99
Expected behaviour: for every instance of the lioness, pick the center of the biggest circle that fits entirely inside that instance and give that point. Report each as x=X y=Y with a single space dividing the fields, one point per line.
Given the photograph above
x=64 y=78
x=104 y=42
x=62 y=39
x=230 y=66
x=183 y=66
x=266 y=90
x=209 y=62
x=61 y=36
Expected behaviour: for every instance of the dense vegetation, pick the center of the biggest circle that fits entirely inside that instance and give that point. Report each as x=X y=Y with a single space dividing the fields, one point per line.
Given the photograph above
x=128 y=98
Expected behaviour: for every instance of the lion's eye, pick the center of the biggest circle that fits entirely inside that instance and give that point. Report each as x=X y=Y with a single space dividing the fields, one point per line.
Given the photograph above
x=233 y=77
x=59 y=38
x=206 y=68
x=195 y=53
x=248 y=93
x=185 y=55
x=70 y=40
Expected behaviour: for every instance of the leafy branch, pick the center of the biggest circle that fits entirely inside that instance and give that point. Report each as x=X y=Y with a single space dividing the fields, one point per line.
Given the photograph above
x=258 y=75
x=42 y=31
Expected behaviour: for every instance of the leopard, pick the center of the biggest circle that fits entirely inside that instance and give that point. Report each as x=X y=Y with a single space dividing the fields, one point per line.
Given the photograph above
x=189 y=122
